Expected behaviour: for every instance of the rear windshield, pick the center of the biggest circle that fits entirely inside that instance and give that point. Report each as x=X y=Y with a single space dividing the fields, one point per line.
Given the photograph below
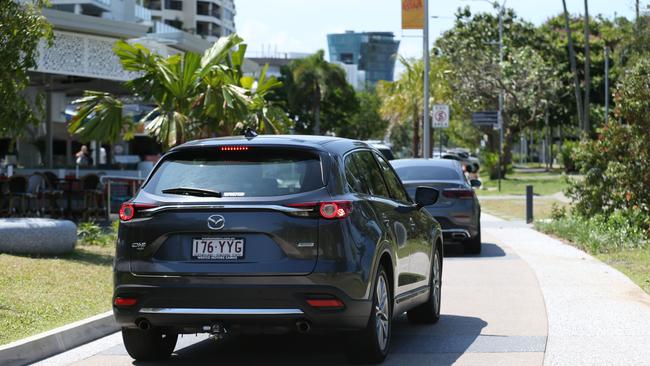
x=258 y=172
x=427 y=173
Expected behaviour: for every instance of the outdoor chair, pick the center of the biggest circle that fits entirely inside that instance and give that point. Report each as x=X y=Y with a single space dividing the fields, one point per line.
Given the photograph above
x=35 y=187
x=92 y=195
x=51 y=194
x=18 y=194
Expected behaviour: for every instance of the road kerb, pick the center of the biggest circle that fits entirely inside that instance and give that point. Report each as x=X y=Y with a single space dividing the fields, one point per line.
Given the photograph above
x=43 y=345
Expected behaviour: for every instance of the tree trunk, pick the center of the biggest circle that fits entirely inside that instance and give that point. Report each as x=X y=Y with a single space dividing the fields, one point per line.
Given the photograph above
x=587 y=125
x=574 y=68
x=317 y=110
x=416 y=132
x=638 y=12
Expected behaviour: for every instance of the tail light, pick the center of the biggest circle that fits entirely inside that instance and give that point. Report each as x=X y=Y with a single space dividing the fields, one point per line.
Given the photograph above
x=328 y=210
x=326 y=303
x=458 y=193
x=125 y=301
x=128 y=210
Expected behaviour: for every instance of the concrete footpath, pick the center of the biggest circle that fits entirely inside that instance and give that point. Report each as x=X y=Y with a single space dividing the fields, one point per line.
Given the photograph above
x=596 y=315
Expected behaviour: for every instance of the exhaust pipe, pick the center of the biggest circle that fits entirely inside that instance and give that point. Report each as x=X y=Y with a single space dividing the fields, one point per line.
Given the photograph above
x=143 y=324
x=459 y=236
x=303 y=326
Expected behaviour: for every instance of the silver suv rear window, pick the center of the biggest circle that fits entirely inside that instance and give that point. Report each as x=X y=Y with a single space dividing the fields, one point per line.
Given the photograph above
x=256 y=172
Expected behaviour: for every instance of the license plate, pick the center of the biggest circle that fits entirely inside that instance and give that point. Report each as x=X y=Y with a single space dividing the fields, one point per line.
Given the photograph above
x=218 y=248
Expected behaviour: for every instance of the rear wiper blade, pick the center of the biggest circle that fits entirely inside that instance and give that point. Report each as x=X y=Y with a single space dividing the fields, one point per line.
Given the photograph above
x=193 y=192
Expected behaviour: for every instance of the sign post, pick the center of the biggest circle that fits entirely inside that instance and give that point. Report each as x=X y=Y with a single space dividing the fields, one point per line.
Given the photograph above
x=440 y=120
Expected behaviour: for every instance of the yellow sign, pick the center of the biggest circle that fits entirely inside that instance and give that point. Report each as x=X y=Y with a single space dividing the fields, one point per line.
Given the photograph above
x=412 y=14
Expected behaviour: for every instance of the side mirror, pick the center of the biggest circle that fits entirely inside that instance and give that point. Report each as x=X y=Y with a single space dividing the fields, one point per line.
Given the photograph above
x=475 y=183
x=470 y=168
x=426 y=196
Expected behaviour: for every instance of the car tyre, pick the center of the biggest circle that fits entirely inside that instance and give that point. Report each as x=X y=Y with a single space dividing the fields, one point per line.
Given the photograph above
x=429 y=312
x=149 y=345
x=372 y=344
x=473 y=245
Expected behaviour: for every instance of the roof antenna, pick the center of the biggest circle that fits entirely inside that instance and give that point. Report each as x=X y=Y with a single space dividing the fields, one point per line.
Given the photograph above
x=250 y=133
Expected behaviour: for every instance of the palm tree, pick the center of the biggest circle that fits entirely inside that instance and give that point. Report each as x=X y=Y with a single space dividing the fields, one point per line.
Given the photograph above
x=402 y=100
x=312 y=78
x=194 y=96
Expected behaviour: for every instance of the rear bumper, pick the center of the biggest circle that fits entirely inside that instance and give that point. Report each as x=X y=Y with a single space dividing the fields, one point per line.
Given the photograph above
x=454 y=232
x=189 y=307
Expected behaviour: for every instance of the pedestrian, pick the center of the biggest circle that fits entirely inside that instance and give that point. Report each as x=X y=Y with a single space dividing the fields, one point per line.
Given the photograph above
x=83 y=156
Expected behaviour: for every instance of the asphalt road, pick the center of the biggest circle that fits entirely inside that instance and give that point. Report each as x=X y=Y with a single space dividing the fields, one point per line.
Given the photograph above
x=493 y=313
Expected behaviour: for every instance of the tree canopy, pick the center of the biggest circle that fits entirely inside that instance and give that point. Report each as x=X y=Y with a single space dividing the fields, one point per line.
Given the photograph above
x=22 y=27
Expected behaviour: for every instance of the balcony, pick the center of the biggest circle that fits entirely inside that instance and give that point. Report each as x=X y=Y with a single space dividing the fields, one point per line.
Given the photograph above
x=160 y=27
x=142 y=14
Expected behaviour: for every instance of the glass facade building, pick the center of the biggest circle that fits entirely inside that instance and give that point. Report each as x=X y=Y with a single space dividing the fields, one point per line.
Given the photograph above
x=375 y=53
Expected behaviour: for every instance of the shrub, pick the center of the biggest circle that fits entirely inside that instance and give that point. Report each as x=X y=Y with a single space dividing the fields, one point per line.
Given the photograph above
x=567 y=156
x=490 y=164
x=598 y=234
x=90 y=233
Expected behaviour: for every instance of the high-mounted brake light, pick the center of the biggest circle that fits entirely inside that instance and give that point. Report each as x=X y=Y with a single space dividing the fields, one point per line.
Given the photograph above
x=234 y=148
x=129 y=209
x=458 y=193
x=328 y=210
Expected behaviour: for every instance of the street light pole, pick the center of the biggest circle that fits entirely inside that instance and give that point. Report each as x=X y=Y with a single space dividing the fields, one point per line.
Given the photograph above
x=426 y=146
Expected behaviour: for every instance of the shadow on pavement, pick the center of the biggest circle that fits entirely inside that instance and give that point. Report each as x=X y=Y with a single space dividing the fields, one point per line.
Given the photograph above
x=488 y=250
x=441 y=343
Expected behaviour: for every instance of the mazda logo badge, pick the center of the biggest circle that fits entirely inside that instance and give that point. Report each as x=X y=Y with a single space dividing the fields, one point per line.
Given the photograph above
x=216 y=222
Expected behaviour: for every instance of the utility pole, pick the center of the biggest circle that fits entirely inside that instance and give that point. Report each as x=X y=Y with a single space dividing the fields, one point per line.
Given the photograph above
x=607 y=83
x=426 y=146
x=501 y=94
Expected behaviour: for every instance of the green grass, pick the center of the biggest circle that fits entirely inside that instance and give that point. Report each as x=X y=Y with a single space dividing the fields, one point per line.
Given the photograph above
x=41 y=293
x=621 y=245
x=515 y=209
x=634 y=263
x=515 y=184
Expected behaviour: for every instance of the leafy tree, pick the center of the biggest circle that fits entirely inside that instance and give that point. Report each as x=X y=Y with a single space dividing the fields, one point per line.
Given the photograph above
x=614 y=166
x=529 y=81
x=318 y=94
x=194 y=96
x=367 y=123
x=22 y=27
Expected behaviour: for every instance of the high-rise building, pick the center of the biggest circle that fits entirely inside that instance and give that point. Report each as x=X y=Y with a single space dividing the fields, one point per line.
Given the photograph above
x=374 y=53
x=210 y=19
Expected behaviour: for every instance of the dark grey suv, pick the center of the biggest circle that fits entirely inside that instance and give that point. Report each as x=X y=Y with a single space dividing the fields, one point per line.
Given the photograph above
x=275 y=234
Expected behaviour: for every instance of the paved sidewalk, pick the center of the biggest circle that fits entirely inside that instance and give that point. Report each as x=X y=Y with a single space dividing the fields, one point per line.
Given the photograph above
x=596 y=315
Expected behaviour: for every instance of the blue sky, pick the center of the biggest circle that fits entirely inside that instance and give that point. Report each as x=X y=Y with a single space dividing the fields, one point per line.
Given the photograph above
x=302 y=25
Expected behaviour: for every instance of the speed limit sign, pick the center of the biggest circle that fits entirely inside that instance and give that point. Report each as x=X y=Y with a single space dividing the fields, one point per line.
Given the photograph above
x=440 y=116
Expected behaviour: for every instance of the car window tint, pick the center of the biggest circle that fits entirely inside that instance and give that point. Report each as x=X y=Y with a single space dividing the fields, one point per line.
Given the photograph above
x=356 y=180
x=425 y=172
x=392 y=180
x=371 y=173
x=258 y=172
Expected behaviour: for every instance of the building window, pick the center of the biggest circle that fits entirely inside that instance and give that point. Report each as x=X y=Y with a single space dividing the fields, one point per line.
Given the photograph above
x=216 y=11
x=216 y=30
x=153 y=4
x=173 y=4
x=176 y=23
x=347 y=58
x=203 y=28
x=202 y=8
x=228 y=15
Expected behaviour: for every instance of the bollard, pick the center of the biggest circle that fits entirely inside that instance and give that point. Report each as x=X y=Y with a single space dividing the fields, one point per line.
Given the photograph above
x=529 y=204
